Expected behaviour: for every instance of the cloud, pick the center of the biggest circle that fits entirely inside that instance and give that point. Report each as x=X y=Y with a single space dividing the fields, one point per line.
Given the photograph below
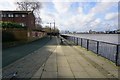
x=7 y=4
x=47 y=16
x=95 y=23
x=111 y=16
x=101 y=7
x=80 y=21
x=62 y=7
x=80 y=10
x=65 y=19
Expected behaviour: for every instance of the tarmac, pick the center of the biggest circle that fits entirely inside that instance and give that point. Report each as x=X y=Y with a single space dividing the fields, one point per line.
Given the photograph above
x=56 y=60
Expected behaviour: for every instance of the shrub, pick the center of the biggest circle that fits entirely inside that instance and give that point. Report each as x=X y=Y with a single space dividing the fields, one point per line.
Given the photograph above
x=11 y=25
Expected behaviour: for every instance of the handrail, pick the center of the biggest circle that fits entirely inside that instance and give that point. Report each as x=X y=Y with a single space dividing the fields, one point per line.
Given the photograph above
x=87 y=43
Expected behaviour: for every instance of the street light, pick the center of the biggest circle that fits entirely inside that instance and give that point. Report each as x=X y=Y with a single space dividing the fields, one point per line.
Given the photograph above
x=50 y=28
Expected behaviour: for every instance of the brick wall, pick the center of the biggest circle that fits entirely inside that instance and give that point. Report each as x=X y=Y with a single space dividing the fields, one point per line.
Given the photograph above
x=28 y=19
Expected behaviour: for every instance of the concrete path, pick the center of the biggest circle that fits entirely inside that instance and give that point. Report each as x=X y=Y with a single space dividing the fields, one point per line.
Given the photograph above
x=76 y=62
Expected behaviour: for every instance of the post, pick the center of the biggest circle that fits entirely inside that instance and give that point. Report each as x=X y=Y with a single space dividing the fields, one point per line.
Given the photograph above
x=54 y=27
x=117 y=54
x=81 y=42
x=50 y=31
x=87 y=44
x=97 y=47
x=77 y=41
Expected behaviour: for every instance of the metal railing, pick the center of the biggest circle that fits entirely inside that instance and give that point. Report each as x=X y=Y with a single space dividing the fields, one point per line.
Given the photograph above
x=108 y=50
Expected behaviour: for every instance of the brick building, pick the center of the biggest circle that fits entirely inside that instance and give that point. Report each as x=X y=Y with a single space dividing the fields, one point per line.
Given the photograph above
x=24 y=18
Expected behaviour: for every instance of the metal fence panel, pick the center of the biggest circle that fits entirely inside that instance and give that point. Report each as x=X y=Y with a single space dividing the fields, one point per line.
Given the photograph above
x=75 y=40
x=79 y=41
x=93 y=46
x=108 y=51
x=119 y=55
x=84 y=43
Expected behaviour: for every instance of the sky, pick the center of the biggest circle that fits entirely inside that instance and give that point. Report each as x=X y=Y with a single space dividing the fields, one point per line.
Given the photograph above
x=75 y=15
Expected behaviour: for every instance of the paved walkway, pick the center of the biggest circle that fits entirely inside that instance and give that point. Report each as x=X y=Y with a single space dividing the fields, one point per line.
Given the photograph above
x=56 y=60
x=75 y=62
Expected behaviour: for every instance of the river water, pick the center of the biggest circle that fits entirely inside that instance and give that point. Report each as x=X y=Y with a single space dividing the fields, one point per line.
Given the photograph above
x=110 y=38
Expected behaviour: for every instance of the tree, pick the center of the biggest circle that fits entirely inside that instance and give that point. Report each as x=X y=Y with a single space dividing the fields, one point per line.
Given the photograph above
x=30 y=6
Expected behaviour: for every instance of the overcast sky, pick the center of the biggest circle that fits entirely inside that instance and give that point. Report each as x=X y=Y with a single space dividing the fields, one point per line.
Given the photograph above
x=76 y=15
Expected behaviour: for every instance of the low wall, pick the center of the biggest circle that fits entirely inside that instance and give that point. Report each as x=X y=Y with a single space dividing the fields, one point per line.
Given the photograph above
x=20 y=36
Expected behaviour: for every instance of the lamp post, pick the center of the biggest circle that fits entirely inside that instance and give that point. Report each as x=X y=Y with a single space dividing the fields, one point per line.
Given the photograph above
x=54 y=26
x=50 y=32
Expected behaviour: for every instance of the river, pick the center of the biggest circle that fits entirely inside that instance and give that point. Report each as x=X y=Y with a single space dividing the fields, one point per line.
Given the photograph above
x=110 y=38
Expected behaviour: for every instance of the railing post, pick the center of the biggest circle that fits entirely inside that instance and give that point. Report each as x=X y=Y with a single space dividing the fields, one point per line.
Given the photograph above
x=81 y=42
x=87 y=44
x=117 y=54
x=97 y=47
x=77 y=41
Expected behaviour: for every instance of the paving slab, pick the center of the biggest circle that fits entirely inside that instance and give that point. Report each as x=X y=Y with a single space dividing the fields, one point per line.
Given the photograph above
x=49 y=74
x=81 y=74
x=75 y=62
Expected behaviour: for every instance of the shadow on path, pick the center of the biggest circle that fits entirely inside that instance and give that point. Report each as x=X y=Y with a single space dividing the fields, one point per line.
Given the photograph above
x=12 y=54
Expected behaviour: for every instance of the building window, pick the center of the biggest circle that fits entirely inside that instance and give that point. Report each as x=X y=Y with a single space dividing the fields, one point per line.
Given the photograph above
x=23 y=15
x=16 y=15
x=3 y=15
x=10 y=15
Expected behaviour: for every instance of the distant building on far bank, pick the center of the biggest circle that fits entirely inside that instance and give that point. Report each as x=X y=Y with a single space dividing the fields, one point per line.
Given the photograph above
x=24 y=18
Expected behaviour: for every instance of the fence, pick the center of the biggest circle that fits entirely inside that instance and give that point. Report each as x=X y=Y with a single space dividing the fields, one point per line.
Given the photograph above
x=108 y=50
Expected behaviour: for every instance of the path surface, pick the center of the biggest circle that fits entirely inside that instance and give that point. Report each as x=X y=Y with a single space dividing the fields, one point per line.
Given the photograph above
x=28 y=65
x=75 y=62
x=56 y=60
x=14 y=53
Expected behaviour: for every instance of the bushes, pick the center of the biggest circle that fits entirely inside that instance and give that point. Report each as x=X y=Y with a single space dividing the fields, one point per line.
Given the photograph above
x=11 y=25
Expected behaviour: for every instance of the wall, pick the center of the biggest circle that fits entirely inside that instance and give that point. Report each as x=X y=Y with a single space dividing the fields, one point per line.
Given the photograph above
x=21 y=36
